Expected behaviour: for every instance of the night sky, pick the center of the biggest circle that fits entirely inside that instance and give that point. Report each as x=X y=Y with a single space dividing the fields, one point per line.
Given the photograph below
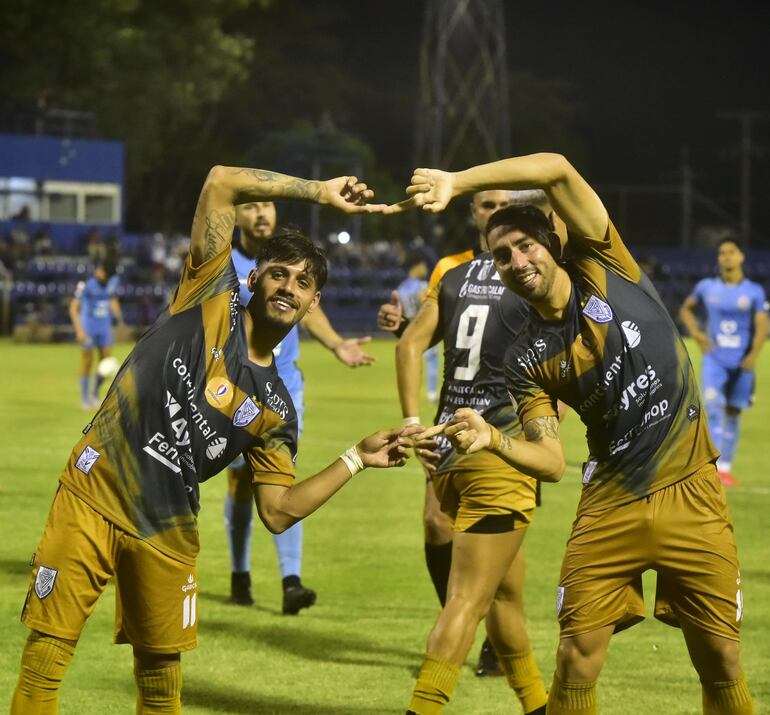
x=651 y=78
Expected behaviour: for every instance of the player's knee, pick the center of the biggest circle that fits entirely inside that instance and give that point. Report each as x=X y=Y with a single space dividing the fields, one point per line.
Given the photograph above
x=719 y=662
x=578 y=660
x=469 y=606
x=155 y=661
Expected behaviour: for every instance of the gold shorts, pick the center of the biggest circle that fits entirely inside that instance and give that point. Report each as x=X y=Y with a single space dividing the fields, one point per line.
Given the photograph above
x=684 y=533
x=156 y=596
x=486 y=486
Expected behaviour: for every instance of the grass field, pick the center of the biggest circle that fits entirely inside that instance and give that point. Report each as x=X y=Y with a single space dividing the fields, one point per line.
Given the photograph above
x=356 y=651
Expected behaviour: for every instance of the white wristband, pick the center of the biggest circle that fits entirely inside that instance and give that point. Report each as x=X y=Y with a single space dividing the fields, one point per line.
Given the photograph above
x=352 y=460
x=409 y=421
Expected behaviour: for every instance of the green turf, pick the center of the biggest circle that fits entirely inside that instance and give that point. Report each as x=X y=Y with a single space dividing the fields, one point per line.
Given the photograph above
x=356 y=651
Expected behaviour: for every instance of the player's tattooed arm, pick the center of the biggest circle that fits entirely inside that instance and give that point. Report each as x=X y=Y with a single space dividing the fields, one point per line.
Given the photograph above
x=535 y=430
x=226 y=187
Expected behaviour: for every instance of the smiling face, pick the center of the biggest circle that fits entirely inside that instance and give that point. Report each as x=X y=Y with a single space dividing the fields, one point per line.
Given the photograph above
x=525 y=265
x=283 y=293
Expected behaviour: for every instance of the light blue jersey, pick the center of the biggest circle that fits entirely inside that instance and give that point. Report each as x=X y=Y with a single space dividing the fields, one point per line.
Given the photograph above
x=411 y=291
x=287 y=351
x=730 y=311
x=95 y=313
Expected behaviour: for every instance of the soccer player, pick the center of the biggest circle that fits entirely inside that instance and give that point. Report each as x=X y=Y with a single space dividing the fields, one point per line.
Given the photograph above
x=437 y=526
x=489 y=505
x=600 y=339
x=256 y=223
x=91 y=311
x=735 y=333
x=198 y=388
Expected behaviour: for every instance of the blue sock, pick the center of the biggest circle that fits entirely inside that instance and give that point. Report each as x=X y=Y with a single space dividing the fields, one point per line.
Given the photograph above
x=84 y=396
x=98 y=380
x=289 y=548
x=730 y=429
x=715 y=413
x=238 y=520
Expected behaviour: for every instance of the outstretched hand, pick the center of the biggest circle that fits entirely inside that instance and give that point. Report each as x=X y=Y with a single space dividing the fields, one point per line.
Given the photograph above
x=349 y=351
x=467 y=431
x=386 y=448
x=429 y=189
x=349 y=195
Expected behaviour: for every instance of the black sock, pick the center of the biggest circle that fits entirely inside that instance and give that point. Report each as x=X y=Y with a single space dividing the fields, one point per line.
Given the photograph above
x=291 y=581
x=438 y=557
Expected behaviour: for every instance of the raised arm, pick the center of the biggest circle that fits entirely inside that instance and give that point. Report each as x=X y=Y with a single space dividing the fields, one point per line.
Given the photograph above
x=573 y=199
x=226 y=187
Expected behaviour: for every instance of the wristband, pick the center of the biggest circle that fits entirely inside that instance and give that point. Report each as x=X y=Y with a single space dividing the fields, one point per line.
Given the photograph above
x=352 y=460
x=409 y=421
x=494 y=437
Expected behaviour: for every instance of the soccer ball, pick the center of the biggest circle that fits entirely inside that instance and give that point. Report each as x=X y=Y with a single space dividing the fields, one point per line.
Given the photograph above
x=108 y=368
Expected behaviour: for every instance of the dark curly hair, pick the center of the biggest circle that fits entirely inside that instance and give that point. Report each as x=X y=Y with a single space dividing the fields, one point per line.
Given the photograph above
x=291 y=246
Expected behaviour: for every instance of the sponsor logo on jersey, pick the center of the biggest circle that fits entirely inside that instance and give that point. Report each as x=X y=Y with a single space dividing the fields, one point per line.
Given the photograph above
x=246 y=413
x=191 y=585
x=565 y=367
x=744 y=302
x=219 y=392
x=216 y=353
x=216 y=447
x=657 y=413
x=160 y=449
x=235 y=301
x=275 y=402
x=531 y=356
x=87 y=459
x=597 y=310
x=693 y=412
x=45 y=581
x=559 y=599
x=632 y=333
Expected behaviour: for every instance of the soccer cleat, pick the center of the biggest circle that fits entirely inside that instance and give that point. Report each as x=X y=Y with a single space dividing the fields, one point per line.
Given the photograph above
x=727 y=479
x=488 y=665
x=240 y=589
x=295 y=598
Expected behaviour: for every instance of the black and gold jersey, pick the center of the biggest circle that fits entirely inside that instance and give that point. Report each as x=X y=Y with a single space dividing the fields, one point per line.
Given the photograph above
x=618 y=360
x=478 y=319
x=185 y=403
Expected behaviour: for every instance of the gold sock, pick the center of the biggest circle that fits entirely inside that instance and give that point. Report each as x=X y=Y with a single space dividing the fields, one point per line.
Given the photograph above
x=43 y=663
x=159 y=690
x=730 y=697
x=571 y=698
x=524 y=677
x=434 y=686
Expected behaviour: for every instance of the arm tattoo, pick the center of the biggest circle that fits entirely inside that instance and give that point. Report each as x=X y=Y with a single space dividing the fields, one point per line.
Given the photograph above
x=541 y=427
x=219 y=231
x=277 y=185
x=505 y=443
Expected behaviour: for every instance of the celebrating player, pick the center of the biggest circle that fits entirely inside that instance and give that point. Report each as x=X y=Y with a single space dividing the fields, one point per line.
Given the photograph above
x=199 y=388
x=736 y=331
x=437 y=526
x=600 y=339
x=489 y=504
x=256 y=222
x=91 y=311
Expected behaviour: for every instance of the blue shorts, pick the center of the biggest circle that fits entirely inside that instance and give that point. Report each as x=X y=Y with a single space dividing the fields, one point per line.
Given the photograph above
x=298 y=398
x=97 y=339
x=731 y=386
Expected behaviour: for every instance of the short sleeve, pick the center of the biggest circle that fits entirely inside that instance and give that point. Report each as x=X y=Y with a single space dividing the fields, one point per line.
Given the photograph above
x=609 y=251
x=760 y=301
x=528 y=398
x=112 y=286
x=201 y=283
x=272 y=456
x=698 y=291
x=80 y=289
x=433 y=293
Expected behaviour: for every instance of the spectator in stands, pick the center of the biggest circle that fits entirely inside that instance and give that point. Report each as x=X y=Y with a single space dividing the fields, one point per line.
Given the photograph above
x=42 y=245
x=92 y=310
x=94 y=246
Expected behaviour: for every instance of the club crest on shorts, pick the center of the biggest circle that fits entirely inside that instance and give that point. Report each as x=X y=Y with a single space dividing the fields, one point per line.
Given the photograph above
x=246 y=413
x=44 y=581
x=559 y=599
x=597 y=310
x=87 y=459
